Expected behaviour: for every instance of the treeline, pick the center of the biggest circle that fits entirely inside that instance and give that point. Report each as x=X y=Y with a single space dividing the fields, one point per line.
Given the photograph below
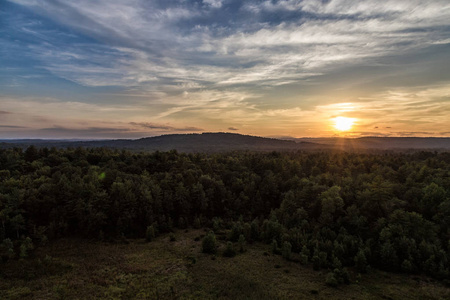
x=333 y=210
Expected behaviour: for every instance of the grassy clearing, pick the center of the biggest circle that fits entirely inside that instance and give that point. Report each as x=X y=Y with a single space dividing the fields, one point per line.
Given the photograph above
x=164 y=269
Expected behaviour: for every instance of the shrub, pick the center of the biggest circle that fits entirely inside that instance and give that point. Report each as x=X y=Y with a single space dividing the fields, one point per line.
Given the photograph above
x=25 y=247
x=331 y=280
x=197 y=223
x=316 y=262
x=242 y=244
x=209 y=243
x=287 y=250
x=275 y=249
x=229 y=250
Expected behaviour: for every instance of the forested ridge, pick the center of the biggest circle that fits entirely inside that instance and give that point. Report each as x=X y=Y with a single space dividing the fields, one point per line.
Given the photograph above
x=330 y=209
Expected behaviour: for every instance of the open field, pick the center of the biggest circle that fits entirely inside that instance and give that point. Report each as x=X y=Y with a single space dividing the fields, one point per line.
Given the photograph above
x=79 y=269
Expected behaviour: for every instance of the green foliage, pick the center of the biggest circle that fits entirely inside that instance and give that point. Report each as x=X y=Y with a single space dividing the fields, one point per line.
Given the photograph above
x=332 y=205
x=19 y=293
x=286 y=251
x=323 y=259
x=345 y=276
x=272 y=230
x=247 y=232
x=361 y=262
x=407 y=267
x=197 y=223
x=209 y=243
x=274 y=247
x=390 y=210
x=331 y=280
x=25 y=247
x=336 y=263
x=236 y=231
x=316 y=262
x=242 y=244
x=217 y=224
x=229 y=250
x=255 y=231
x=304 y=255
x=6 y=250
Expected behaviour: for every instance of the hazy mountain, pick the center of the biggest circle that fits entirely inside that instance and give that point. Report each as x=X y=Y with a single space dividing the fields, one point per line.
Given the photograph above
x=221 y=142
x=383 y=143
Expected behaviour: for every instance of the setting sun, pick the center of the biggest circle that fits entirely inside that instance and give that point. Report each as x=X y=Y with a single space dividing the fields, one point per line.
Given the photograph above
x=343 y=123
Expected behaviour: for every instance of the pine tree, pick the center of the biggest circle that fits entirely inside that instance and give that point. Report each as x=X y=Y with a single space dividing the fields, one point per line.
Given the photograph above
x=209 y=243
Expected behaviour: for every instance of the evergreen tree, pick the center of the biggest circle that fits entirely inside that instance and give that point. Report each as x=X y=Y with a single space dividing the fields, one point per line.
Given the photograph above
x=209 y=243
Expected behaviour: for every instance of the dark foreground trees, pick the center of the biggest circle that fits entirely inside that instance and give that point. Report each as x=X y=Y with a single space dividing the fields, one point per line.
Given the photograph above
x=334 y=210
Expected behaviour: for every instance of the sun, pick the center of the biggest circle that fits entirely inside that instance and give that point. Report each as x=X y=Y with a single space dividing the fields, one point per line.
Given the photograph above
x=343 y=123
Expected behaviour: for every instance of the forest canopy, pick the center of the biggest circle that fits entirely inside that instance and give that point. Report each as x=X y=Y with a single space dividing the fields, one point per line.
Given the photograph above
x=332 y=209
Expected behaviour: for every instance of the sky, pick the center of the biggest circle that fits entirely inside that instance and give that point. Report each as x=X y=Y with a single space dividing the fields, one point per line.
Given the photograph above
x=136 y=68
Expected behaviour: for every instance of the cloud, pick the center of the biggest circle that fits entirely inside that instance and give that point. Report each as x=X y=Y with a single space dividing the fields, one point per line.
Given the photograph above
x=166 y=127
x=369 y=133
x=89 y=129
x=184 y=42
x=413 y=133
x=2 y=112
x=11 y=126
x=214 y=3
x=285 y=65
x=233 y=128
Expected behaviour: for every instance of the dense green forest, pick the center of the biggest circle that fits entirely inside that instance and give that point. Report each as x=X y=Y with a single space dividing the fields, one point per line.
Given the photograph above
x=331 y=210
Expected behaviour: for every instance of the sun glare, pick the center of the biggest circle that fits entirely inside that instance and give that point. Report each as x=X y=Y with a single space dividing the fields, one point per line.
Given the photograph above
x=343 y=123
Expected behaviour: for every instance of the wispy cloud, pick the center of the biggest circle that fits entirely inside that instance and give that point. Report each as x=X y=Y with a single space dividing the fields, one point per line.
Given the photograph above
x=165 y=42
x=89 y=129
x=11 y=126
x=165 y=127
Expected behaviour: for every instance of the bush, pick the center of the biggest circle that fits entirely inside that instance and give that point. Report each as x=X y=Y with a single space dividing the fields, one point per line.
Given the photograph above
x=275 y=249
x=209 y=243
x=331 y=280
x=217 y=224
x=197 y=223
x=316 y=262
x=407 y=267
x=25 y=247
x=287 y=250
x=345 y=276
x=304 y=255
x=6 y=249
x=236 y=232
x=229 y=250
x=242 y=244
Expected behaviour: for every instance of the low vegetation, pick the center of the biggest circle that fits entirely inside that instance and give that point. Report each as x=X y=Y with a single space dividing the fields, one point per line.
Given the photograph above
x=83 y=269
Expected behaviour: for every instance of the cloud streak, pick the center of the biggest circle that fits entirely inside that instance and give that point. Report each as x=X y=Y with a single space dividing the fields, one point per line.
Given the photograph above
x=165 y=127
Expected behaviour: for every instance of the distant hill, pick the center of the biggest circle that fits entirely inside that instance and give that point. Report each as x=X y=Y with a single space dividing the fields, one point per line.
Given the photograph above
x=223 y=142
x=383 y=143
x=205 y=142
